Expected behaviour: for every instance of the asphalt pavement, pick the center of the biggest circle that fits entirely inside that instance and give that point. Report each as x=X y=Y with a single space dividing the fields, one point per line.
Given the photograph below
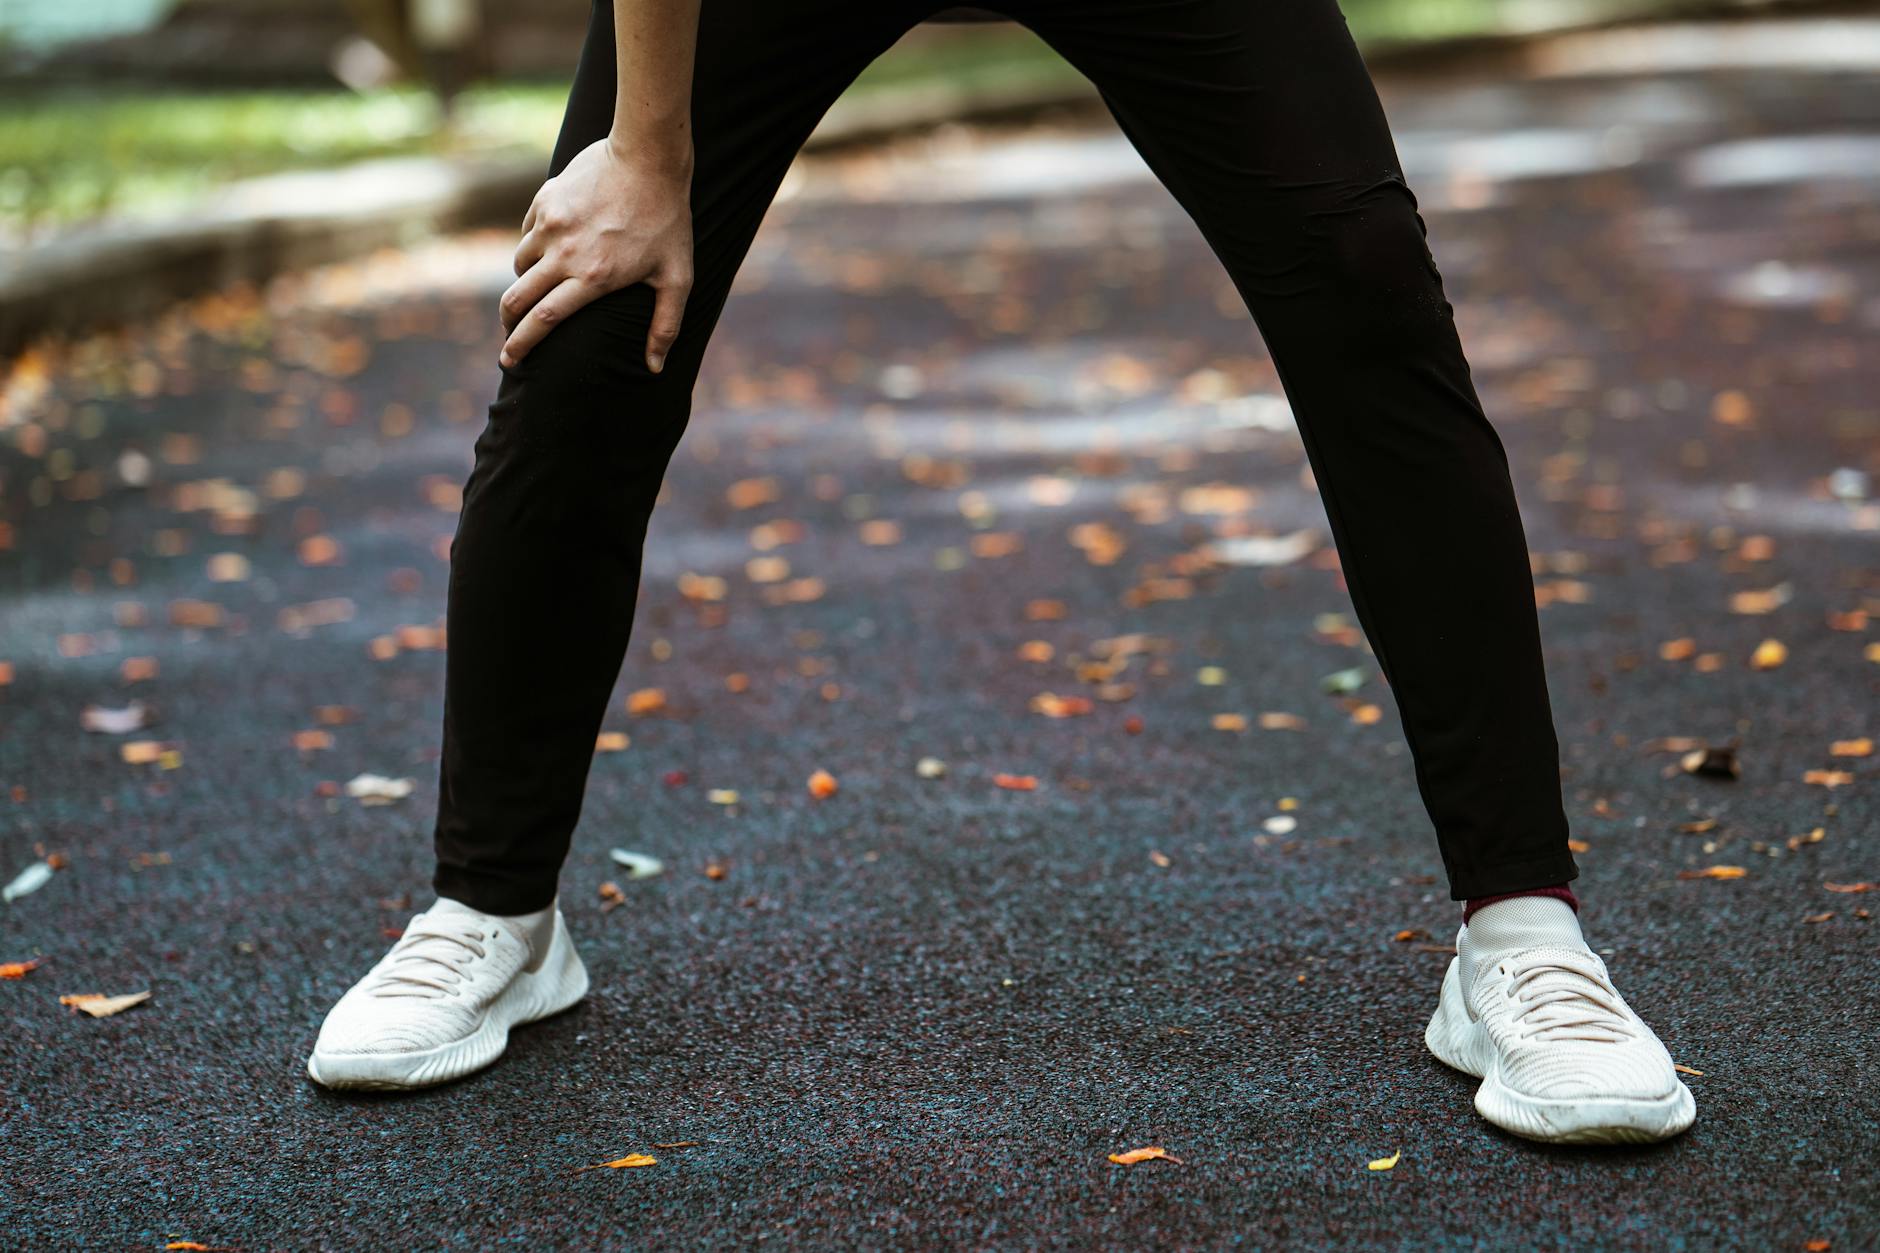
x=982 y=465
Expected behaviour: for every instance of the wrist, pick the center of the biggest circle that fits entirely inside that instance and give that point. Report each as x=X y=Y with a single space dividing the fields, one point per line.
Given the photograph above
x=668 y=154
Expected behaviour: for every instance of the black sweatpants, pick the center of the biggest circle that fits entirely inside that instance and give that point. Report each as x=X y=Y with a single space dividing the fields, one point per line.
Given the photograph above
x=1261 y=119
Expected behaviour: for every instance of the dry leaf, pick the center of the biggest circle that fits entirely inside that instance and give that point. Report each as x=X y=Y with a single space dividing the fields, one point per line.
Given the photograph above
x=611 y=896
x=1385 y=1163
x=1015 y=782
x=1715 y=763
x=1714 y=872
x=28 y=880
x=19 y=970
x=1814 y=918
x=611 y=742
x=822 y=785
x=103 y=721
x=1686 y=1070
x=1768 y=655
x=930 y=768
x=99 y=1005
x=1851 y=748
x=1828 y=778
x=629 y=1162
x=637 y=865
x=376 y=789
x=1848 y=887
x=1152 y=1153
x=648 y=700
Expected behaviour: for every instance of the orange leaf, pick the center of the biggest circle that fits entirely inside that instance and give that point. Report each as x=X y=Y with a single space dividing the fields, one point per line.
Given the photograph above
x=822 y=784
x=629 y=1162
x=648 y=700
x=1848 y=887
x=1151 y=1153
x=1714 y=872
x=19 y=970
x=1016 y=782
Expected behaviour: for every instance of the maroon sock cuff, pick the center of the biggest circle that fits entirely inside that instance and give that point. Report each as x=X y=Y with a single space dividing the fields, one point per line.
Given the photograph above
x=1560 y=892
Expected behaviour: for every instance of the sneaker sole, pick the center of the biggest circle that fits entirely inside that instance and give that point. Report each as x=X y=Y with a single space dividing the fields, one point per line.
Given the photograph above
x=1463 y=1044
x=557 y=985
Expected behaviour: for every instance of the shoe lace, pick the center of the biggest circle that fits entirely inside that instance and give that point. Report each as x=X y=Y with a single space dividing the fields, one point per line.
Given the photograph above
x=1565 y=996
x=431 y=959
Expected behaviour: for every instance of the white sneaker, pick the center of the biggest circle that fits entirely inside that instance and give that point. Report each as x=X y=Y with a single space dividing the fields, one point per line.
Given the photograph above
x=441 y=1003
x=1528 y=1008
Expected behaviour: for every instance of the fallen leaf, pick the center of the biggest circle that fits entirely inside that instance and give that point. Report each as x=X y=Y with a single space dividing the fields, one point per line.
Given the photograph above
x=1152 y=1153
x=1714 y=872
x=1768 y=655
x=1281 y=722
x=715 y=870
x=611 y=896
x=1714 y=763
x=19 y=970
x=822 y=785
x=1828 y=778
x=28 y=880
x=1818 y=1245
x=99 y=1005
x=1263 y=550
x=1015 y=782
x=103 y=721
x=1851 y=748
x=1230 y=722
x=1385 y=1163
x=638 y=865
x=629 y=1162
x=930 y=768
x=1686 y=1070
x=611 y=742
x=1160 y=858
x=1052 y=705
x=679 y=1144
x=376 y=789
x=1343 y=682
x=648 y=700
x=1848 y=887
x=1815 y=918
x=722 y=796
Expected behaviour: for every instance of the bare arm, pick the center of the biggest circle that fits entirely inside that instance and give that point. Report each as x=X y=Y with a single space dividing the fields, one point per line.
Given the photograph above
x=621 y=212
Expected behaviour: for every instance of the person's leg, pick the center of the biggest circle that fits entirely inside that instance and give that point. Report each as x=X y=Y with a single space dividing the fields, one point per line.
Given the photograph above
x=1261 y=118
x=546 y=562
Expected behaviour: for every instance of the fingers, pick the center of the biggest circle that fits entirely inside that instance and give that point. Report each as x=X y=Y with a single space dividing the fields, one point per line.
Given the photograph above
x=536 y=282
x=668 y=308
x=529 y=250
x=544 y=316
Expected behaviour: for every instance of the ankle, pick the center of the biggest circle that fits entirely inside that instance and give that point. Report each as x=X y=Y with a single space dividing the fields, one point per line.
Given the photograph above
x=1558 y=892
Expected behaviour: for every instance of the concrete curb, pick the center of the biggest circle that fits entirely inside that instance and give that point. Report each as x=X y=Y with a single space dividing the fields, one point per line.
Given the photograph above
x=110 y=273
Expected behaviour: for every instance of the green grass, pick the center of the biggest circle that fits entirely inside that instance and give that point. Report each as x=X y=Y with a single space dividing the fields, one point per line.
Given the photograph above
x=68 y=157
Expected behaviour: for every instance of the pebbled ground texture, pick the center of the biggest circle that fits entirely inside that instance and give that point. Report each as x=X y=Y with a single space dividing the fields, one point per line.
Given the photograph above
x=993 y=393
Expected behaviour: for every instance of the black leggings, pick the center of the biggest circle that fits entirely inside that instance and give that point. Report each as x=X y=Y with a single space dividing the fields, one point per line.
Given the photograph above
x=1260 y=117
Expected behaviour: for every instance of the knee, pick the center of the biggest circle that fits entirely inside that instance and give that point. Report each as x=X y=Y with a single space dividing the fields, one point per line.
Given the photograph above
x=581 y=429
x=1367 y=265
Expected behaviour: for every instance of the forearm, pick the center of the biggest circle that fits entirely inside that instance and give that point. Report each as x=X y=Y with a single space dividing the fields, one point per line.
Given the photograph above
x=655 y=41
